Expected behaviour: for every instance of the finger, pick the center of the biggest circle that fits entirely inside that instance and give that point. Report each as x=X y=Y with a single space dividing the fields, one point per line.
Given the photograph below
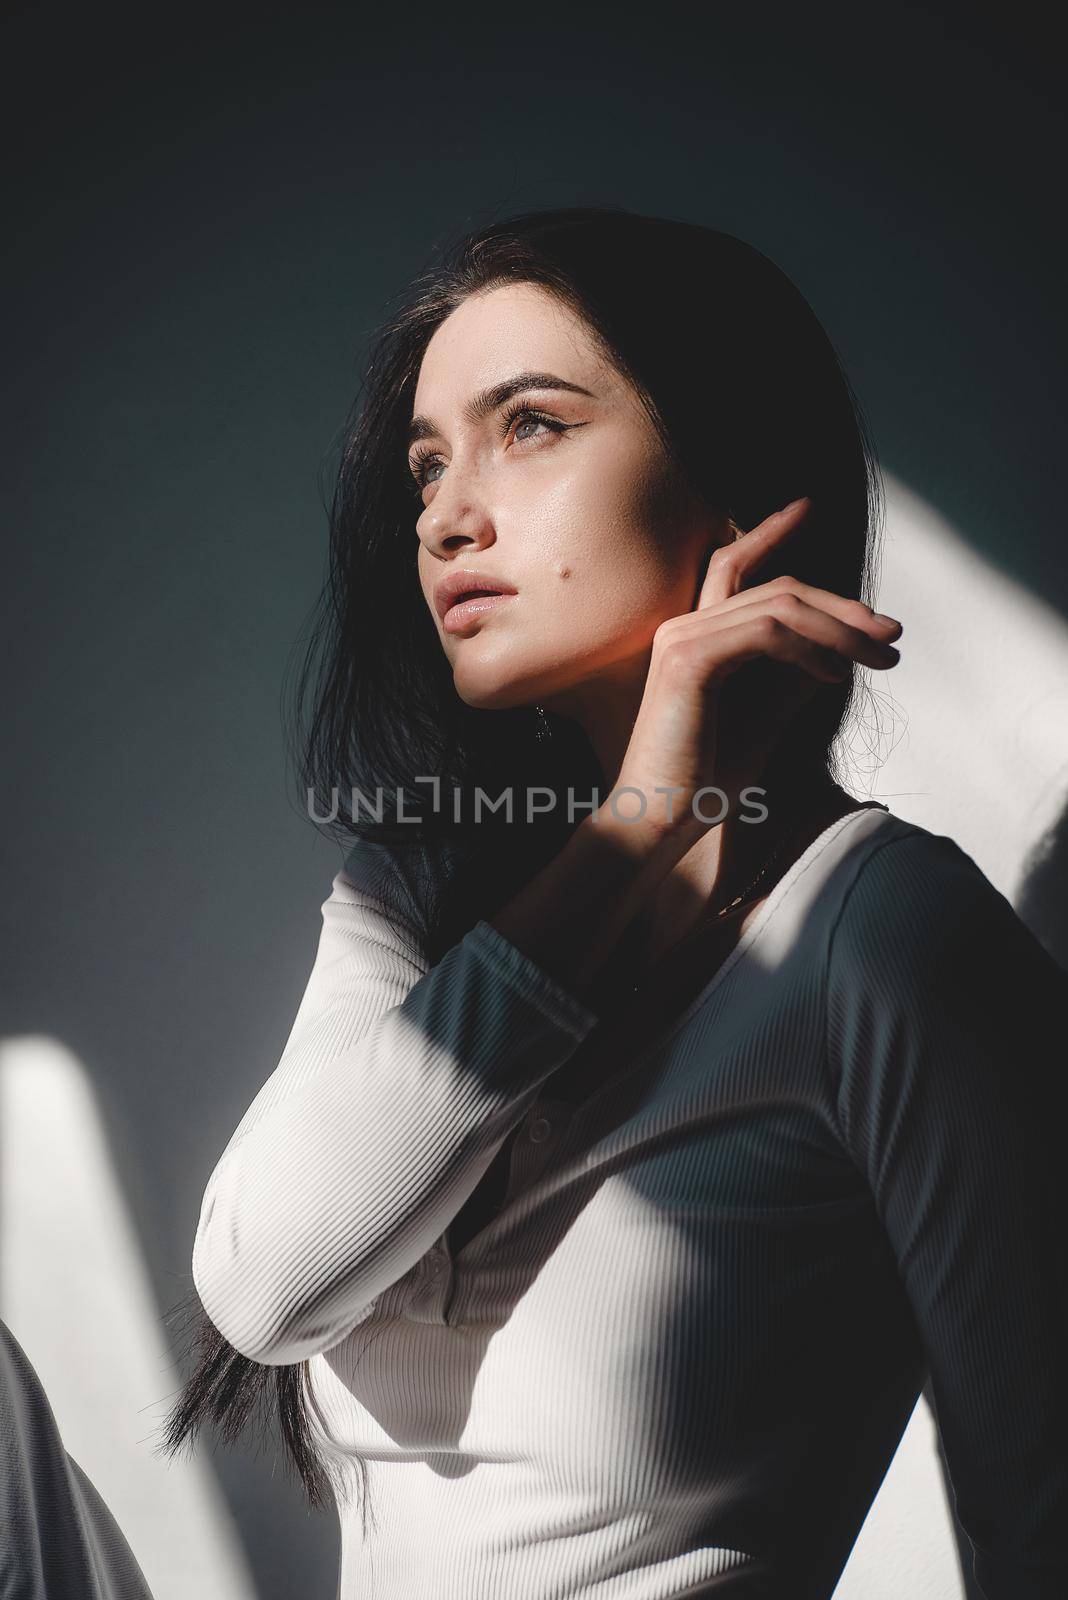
x=730 y=566
x=829 y=628
x=855 y=612
x=765 y=635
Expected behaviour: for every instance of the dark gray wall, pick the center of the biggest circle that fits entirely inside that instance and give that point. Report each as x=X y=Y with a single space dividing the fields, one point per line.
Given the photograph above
x=208 y=214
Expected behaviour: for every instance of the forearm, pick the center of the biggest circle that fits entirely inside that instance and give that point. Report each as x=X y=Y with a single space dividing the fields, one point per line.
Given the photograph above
x=397 y=1085
x=359 y=1150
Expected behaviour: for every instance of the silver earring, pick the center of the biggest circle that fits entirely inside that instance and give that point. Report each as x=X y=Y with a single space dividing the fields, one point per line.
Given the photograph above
x=543 y=730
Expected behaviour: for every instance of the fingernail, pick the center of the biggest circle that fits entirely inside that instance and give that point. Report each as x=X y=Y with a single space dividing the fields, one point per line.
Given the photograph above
x=795 y=503
x=889 y=622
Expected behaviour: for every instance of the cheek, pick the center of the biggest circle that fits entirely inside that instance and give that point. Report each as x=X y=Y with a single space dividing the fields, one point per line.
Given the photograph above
x=613 y=549
x=426 y=577
x=592 y=602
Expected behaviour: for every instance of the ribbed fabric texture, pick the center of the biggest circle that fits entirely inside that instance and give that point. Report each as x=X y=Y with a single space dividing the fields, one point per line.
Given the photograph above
x=680 y=1359
x=58 y=1537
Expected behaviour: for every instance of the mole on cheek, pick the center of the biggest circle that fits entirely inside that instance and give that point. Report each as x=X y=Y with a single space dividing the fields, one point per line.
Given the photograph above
x=562 y=571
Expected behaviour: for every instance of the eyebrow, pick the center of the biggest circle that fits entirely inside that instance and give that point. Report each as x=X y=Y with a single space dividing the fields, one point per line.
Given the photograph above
x=487 y=401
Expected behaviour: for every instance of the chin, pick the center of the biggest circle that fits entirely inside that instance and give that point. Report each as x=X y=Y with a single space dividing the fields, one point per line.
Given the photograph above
x=496 y=687
x=503 y=697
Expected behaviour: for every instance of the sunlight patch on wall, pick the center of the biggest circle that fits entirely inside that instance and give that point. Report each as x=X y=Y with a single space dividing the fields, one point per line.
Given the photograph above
x=973 y=720
x=906 y=1546
x=75 y=1293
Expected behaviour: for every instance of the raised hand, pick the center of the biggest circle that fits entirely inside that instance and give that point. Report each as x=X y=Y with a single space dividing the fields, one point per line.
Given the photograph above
x=682 y=739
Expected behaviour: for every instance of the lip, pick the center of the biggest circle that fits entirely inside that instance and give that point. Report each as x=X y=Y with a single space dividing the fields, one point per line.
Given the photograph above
x=460 y=616
x=461 y=581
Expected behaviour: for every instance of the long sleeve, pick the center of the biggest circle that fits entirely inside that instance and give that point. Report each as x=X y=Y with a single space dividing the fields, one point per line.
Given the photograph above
x=397 y=1085
x=946 y=1044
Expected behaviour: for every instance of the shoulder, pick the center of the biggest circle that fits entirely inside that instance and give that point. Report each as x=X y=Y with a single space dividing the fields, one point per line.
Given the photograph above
x=382 y=877
x=942 y=1016
x=909 y=875
x=405 y=878
x=908 y=878
x=918 y=918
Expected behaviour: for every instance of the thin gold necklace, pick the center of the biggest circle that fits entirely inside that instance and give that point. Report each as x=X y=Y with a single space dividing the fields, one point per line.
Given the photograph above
x=707 y=917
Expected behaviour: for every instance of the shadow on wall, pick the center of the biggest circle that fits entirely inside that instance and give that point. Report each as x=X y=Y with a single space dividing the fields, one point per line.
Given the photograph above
x=1042 y=900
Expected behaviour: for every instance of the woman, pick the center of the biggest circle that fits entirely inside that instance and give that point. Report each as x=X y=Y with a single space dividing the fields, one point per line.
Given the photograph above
x=628 y=1169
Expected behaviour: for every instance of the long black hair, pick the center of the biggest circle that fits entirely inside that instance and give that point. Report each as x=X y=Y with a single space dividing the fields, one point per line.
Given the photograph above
x=747 y=394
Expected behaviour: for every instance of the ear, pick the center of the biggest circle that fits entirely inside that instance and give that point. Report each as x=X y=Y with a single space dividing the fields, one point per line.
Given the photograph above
x=720 y=531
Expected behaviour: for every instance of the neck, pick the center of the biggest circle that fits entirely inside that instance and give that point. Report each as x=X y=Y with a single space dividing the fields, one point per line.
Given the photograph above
x=726 y=858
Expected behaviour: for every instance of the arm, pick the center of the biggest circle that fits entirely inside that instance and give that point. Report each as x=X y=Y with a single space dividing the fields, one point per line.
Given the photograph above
x=396 y=1088
x=946 y=1025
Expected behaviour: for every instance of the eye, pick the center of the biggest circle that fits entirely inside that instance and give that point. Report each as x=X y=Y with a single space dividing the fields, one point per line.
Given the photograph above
x=419 y=464
x=524 y=414
x=421 y=461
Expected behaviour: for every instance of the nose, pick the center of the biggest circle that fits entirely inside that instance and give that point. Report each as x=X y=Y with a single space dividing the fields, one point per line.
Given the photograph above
x=456 y=519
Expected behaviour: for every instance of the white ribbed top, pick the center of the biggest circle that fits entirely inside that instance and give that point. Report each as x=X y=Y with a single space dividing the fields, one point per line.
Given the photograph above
x=680 y=1359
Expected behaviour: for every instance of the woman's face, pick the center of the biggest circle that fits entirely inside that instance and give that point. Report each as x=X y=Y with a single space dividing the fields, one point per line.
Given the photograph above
x=582 y=513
